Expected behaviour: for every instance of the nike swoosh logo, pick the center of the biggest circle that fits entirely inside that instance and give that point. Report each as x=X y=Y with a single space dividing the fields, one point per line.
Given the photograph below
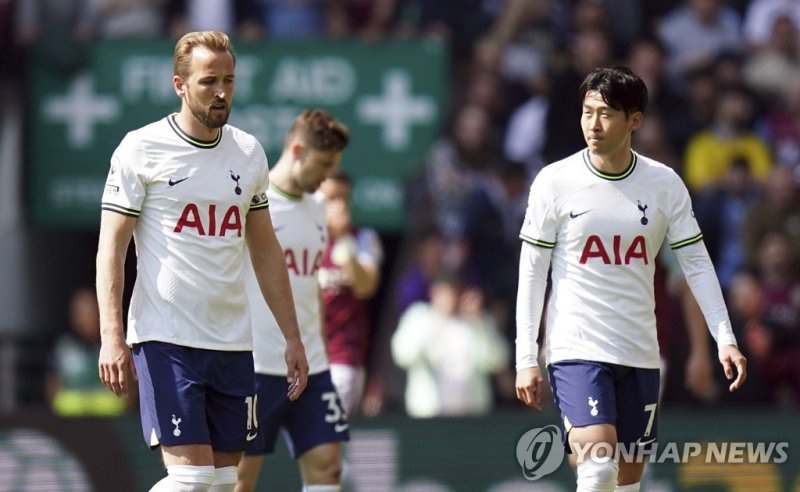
x=250 y=437
x=173 y=182
x=639 y=442
x=341 y=427
x=572 y=215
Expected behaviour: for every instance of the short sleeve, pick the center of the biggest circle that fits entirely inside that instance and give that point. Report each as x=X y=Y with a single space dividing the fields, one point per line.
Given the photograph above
x=126 y=187
x=539 y=225
x=260 y=200
x=683 y=229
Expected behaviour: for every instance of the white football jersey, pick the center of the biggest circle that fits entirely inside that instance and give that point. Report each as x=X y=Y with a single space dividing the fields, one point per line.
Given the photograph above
x=605 y=232
x=191 y=199
x=300 y=226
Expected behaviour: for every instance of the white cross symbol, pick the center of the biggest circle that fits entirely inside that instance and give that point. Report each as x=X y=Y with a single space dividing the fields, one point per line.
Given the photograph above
x=396 y=109
x=80 y=109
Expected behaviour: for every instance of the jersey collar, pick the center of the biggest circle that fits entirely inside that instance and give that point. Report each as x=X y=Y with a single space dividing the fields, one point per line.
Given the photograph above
x=288 y=196
x=203 y=144
x=611 y=177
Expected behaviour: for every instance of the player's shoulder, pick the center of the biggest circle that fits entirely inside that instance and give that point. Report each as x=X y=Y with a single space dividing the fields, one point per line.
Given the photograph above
x=248 y=143
x=561 y=169
x=654 y=169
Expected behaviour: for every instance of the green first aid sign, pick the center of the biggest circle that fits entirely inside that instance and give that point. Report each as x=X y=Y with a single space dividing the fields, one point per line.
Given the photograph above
x=390 y=94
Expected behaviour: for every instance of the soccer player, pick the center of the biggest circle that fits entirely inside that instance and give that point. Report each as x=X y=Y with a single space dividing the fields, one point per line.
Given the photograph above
x=191 y=190
x=314 y=425
x=350 y=276
x=598 y=218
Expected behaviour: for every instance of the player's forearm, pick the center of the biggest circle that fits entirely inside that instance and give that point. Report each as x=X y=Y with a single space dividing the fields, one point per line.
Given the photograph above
x=533 y=265
x=702 y=279
x=115 y=236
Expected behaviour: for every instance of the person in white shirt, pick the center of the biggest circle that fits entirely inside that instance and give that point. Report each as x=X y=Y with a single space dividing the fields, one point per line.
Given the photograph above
x=598 y=219
x=315 y=425
x=191 y=190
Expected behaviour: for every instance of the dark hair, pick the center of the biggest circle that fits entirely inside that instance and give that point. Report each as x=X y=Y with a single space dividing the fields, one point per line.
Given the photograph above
x=620 y=88
x=320 y=130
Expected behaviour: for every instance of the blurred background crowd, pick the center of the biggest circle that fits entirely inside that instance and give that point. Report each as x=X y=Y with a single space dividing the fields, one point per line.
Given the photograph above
x=724 y=113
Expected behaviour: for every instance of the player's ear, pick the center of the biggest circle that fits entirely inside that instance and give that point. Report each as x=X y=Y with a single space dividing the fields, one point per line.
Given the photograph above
x=297 y=150
x=636 y=120
x=179 y=85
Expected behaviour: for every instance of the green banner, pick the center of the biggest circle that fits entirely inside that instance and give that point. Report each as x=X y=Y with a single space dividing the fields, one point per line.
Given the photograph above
x=390 y=94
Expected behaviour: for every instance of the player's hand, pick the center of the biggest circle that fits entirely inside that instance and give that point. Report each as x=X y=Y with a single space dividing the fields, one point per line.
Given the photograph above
x=729 y=356
x=529 y=387
x=297 y=366
x=116 y=366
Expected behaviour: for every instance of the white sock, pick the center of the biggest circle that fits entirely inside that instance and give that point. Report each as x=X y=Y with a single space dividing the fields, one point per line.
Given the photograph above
x=225 y=480
x=597 y=475
x=322 y=488
x=186 y=478
x=631 y=487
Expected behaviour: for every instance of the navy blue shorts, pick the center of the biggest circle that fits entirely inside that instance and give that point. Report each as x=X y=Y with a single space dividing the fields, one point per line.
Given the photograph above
x=317 y=417
x=195 y=396
x=588 y=393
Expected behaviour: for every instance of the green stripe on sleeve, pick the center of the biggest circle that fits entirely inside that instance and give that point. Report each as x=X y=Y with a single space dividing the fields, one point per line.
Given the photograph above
x=537 y=242
x=686 y=242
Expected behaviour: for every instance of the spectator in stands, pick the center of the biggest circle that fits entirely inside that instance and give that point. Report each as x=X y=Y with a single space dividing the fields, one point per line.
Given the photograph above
x=782 y=130
x=292 y=18
x=450 y=348
x=60 y=27
x=773 y=69
x=696 y=33
x=713 y=150
x=120 y=19
x=759 y=20
x=349 y=277
x=778 y=210
x=721 y=212
x=72 y=387
x=241 y=18
x=772 y=332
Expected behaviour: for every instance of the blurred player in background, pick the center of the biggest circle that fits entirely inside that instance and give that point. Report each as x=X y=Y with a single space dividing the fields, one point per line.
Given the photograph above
x=598 y=219
x=191 y=189
x=315 y=424
x=350 y=276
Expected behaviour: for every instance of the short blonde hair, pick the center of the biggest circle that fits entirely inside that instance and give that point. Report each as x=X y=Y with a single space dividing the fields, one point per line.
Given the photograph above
x=210 y=40
x=319 y=130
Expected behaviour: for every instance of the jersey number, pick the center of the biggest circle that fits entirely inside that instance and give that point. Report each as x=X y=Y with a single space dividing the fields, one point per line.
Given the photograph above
x=652 y=409
x=252 y=414
x=335 y=410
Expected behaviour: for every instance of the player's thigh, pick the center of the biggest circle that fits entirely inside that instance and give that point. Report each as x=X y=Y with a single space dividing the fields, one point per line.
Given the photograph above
x=231 y=403
x=637 y=407
x=171 y=394
x=322 y=464
x=271 y=410
x=584 y=393
x=317 y=417
x=188 y=454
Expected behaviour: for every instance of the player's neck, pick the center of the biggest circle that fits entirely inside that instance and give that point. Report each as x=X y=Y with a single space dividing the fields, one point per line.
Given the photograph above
x=280 y=177
x=613 y=163
x=194 y=128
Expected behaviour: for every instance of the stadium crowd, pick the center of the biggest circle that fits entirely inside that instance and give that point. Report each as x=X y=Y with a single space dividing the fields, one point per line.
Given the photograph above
x=724 y=112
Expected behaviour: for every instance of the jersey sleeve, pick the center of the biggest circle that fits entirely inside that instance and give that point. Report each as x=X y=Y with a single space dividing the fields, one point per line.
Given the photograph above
x=126 y=185
x=260 y=200
x=539 y=226
x=683 y=229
